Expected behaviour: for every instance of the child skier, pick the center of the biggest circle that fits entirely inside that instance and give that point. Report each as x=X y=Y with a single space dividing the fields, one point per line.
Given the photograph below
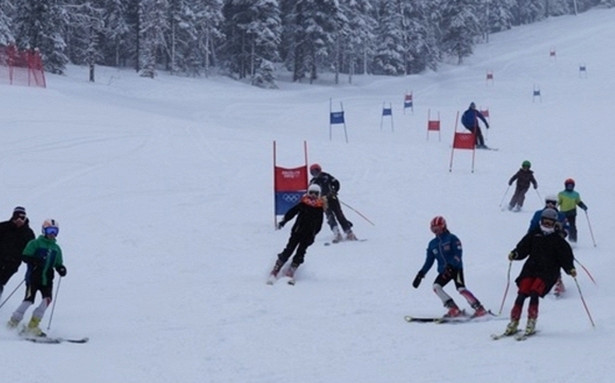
x=42 y=255
x=524 y=177
x=568 y=199
x=546 y=252
x=309 y=212
x=561 y=227
x=446 y=249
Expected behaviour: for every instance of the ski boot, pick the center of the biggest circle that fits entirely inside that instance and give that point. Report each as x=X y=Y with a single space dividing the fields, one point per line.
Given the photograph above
x=12 y=323
x=559 y=288
x=276 y=268
x=337 y=236
x=273 y=275
x=453 y=310
x=479 y=311
x=290 y=273
x=33 y=329
x=530 y=328
x=512 y=327
x=350 y=236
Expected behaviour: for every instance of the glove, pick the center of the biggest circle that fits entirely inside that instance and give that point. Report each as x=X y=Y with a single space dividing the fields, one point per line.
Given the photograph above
x=61 y=270
x=584 y=207
x=572 y=273
x=281 y=224
x=487 y=126
x=417 y=279
x=512 y=255
x=509 y=183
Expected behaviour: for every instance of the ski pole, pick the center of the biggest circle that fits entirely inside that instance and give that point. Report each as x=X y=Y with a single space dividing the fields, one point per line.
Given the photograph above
x=504 y=196
x=506 y=290
x=356 y=211
x=12 y=292
x=539 y=196
x=53 y=307
x=584 y=304
x=586 y=271
x=590 y=228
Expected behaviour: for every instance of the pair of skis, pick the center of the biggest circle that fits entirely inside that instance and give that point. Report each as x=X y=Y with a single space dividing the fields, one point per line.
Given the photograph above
x=54 y=340
x=444 y=319
x=518 y=335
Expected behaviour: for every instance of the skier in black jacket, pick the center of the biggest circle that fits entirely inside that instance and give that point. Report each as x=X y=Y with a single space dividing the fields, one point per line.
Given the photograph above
x=14 y=235
x=309 y=212
x=546 y=252
x=330 y=186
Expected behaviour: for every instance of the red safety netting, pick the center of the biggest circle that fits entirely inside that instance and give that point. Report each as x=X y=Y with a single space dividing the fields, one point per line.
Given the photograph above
x=21 y=67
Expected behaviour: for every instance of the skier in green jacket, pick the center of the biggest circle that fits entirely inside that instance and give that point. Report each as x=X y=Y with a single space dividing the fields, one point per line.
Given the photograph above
x=42 y=255
x=568 y=199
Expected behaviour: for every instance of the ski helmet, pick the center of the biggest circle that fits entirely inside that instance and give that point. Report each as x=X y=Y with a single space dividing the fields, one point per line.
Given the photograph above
x=551 y=199
x=548 y=217
x=50 y=227
x=315 y=169
x=438 y=225
x=314 y=188
x=569 y=181
x=472 y=105
x=526 y=164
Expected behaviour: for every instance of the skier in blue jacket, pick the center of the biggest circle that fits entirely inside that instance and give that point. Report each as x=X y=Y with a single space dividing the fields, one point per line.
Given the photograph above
x=446 y=249
x=469 y=120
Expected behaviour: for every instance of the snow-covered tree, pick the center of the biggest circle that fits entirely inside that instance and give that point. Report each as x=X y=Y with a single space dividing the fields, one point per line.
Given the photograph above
x=389 y=58
x=252 y=29
x=312 y=32
x=153 y=25
x=459 y=25
x=357 y=36
x=41 y=24
x=209 y=32
x=500 y=17
x=6 y=34
x=115 y=40
x=528 y=11
x=421 y=35
x=84 y=30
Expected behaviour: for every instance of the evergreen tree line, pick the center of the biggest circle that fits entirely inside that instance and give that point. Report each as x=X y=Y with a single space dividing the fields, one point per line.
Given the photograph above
x=253 y=40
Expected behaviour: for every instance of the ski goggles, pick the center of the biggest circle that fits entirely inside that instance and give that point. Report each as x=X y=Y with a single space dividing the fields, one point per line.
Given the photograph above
x=51 y=230
x=546 y=222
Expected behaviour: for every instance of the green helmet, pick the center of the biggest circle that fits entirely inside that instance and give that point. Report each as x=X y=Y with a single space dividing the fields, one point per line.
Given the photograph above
x=526 y=164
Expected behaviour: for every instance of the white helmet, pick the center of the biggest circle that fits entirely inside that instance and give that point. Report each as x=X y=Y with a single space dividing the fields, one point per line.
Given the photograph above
x=50 y=227
x=551 y=198
x=314 y=188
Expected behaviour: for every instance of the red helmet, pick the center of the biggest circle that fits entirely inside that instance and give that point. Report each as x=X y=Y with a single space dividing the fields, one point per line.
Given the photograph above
x=438 y=225
x=569 y=181
x=315 y=168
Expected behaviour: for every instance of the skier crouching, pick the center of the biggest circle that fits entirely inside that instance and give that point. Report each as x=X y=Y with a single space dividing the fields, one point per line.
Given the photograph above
x=309 y=212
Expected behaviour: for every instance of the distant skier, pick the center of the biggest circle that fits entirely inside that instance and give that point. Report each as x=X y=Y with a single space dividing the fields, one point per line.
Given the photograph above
x=446 y=249
x=524 y=178
x=330 y=187
x=546 y=252
x=309 y=212
x=14 y=235
x=42 y=255
x=568 y=199
x=469 y=119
